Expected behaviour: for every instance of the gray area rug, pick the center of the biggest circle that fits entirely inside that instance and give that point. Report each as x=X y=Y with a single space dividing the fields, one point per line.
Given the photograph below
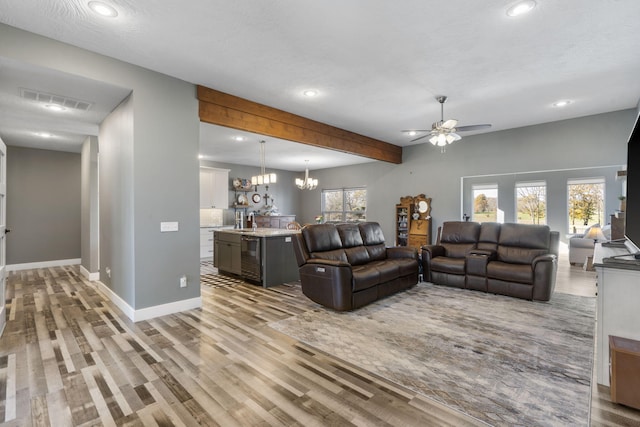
x=499 y=359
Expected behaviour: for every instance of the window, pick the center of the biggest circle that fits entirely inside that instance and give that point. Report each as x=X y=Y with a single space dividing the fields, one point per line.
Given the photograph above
x=485 y=203
x=531 y=202
x=585 y=203
x=348 y=204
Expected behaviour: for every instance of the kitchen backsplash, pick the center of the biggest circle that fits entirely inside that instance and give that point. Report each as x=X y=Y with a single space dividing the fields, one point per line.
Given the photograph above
x=210 y=217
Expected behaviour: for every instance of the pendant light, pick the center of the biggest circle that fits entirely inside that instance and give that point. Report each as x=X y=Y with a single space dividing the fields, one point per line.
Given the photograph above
x=263 y=178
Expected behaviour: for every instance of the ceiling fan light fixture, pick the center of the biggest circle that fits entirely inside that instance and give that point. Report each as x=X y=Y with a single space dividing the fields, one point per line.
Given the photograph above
x=520 y=8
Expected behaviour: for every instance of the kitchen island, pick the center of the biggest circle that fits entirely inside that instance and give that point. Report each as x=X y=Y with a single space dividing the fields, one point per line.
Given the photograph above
x=264 y=256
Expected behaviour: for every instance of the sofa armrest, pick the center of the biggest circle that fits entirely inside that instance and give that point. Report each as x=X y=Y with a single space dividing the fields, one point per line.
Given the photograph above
x=491 y=254
x=477 y=260
x=543 y=258
x=432 y=251
x=329 y=283
x=331 y=262
x=402 y=252
x=544 y=276
x=428 y=253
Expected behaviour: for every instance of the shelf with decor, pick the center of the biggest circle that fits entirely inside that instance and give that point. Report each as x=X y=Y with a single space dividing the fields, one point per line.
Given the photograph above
x=413 y=221
x=241 y=187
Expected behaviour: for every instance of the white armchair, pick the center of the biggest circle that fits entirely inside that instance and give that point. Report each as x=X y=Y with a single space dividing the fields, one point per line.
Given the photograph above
x=581 y=246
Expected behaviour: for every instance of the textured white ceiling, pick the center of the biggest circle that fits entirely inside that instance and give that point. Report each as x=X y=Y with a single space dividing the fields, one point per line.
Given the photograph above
x=378 y=64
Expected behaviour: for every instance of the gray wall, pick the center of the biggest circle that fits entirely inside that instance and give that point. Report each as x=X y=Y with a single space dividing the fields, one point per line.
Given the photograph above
x=586 y=142
x=43 y=205
x=89 y=225
x=159 y=170
x=557 y=205
x=286 y=194
x=117 y=261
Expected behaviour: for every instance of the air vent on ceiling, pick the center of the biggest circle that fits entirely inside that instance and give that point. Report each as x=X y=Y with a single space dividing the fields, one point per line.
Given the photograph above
x=48 y=98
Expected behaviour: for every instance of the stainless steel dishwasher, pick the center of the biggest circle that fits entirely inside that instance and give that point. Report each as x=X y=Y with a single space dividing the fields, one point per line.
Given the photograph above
x=251 y=258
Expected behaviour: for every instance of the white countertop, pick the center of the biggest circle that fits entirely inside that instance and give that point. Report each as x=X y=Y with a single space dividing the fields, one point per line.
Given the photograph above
x=261 y=232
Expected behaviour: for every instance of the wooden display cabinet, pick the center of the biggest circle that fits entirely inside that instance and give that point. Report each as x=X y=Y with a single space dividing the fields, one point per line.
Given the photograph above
x=413 y=221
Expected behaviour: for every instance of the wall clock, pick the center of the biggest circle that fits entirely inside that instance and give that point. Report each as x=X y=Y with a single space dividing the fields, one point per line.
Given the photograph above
x=256 y=198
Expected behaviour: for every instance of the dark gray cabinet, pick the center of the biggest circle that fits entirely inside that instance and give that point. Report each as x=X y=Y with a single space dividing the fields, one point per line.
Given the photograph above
x=226 y=252
x=265 y=257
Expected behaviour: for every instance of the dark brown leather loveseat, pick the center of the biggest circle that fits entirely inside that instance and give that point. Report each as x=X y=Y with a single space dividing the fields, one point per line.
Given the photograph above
x=518 y=260
x=346 y=266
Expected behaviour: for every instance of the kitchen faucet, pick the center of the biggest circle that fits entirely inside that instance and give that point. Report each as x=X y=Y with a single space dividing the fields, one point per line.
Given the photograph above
x=252 y=216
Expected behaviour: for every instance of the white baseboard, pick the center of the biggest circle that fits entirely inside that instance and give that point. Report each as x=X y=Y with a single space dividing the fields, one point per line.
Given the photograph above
x=93 y=277
x=149 y=312
x=42 y=264
x=169 y=308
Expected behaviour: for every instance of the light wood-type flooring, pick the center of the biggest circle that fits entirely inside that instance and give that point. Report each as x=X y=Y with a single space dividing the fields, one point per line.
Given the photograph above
x=69 y=357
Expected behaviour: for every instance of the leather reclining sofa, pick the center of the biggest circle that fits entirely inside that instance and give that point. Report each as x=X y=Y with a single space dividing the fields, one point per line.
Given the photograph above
x=346 y=266
x=518 y=260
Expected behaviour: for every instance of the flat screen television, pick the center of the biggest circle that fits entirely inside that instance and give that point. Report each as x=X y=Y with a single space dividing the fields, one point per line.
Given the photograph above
x=632 y=214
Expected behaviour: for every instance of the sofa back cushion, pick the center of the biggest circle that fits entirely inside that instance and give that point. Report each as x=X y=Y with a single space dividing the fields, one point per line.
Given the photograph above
x=352 y=243
x=323 y=241
x=373 y=240
x=459 y=237
x=489 y=235
x=521 y=243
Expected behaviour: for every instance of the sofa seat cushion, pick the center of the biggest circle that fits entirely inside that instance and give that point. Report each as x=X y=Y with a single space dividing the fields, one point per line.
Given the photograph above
x=388 y=270
x=364 y=277
x=448 y=265
x=406 y=266
x=521 y=273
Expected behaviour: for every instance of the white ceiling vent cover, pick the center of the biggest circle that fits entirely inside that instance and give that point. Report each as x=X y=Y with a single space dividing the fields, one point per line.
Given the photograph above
x=49 y=98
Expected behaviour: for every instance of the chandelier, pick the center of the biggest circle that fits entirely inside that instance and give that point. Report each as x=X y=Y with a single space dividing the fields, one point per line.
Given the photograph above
x=263 y=178
x=307 y=183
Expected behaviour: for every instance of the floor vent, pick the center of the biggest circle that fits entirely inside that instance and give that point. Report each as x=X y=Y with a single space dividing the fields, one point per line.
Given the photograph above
x=49 y=98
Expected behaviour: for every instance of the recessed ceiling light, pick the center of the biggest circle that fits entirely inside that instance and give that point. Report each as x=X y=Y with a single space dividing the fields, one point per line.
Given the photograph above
x=521 y=8
x=562 y=103
x=55 y=107
x=412 y=133
x=103 y=9
x=239 y=138
x=310 y=93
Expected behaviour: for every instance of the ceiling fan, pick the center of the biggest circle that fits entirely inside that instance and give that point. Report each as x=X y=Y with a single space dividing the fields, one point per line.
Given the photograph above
x=445 y=132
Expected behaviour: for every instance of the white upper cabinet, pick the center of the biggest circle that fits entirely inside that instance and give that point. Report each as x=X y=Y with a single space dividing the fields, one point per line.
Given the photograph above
x=214 y=188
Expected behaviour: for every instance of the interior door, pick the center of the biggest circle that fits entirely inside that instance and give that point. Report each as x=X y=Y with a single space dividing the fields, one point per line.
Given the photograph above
x=3 y=230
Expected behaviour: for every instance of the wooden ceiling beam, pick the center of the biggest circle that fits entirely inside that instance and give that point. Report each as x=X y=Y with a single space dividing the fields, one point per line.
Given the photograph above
x=222 y=109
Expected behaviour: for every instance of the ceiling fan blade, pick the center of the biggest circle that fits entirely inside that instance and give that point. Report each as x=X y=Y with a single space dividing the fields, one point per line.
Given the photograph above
x=472 y=127
x=420 y=137
x=449 y=124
